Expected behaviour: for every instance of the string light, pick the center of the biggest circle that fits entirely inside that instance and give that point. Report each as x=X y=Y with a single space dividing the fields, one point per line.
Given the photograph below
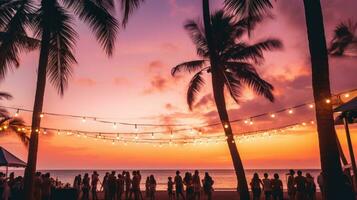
x=290 y=111
x=328 y=101
x=272 y=115
x=347 y=95
x=311 y=105
x=136 y=136
x=84 y=120
x=44 y=131
x=115 y=125
x=17 y=113
x=118 y=136
x=42 y=115
x=226 y=126
x=152 y=136
x=136 y=128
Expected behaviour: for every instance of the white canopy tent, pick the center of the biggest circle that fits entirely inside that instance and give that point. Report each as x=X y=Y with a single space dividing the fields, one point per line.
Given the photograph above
x=7 y=159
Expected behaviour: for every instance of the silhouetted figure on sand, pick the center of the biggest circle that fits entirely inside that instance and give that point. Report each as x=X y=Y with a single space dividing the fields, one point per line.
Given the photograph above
x=112 y=186
x=147 y=187
x=300 y=183
x=46 y=187
x=291 y=185
x=267 y=186
x=187 y=181
x=127 y=185
x=179 y=186
x=320 y=182
x=207 y=183
x=196 y=181
x=120 y=186
x=277 y=188
x=105 y=186
x=310 y=187
x=170 y=188
x=37 y=186
x=86 y=187
x=94 y=183
x=255 y=185
x=152 y=187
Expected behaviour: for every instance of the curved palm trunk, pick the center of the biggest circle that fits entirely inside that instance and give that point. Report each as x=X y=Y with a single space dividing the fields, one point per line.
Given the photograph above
x=329 y=153
x=218 y=92
x=36 y=120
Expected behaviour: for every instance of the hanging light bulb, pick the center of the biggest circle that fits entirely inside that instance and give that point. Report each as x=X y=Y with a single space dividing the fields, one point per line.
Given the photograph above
x=172 y=134
x=312 y=122
x=251 y=122
x=42 y=115
x=44 y=131
x=115 y=125
x=136 y=128
x=290 y=111
x=199 y=132
x=272 y=115
x=328 y=101
x=136 y=136
x=118 y=136
x=58 y=132
x=311 y=105
x=347 y=95
x=113 y=142
x=17 y=113
x=304 y=124
x=84 y=120
x=18 y=129
x=152 y=136
x=246 y=121
x=226 y=126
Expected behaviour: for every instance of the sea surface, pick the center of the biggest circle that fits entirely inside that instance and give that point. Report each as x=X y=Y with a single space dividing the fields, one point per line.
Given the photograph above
x=224 y=179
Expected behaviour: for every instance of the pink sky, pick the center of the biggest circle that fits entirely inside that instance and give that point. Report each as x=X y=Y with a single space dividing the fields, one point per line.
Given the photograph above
x=135 y=86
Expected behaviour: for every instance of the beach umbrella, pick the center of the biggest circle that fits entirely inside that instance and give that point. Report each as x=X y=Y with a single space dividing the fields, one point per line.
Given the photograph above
x=348 y=115
x=8 y=159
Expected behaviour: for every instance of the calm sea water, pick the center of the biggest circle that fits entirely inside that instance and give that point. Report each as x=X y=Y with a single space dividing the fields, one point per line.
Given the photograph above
x=224 y=179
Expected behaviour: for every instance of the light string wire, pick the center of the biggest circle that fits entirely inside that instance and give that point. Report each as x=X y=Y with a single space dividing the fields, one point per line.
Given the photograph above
x=196 y=127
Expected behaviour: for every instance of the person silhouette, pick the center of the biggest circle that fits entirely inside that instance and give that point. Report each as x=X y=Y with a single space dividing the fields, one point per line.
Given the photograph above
x=300 y=183
x=277 y=188
x=255 y=185
x=94 y=185
x=207 y=183
x=291 y=185
x=170 y=188
x=196 y=181
x=267 y=187
x=178 y=186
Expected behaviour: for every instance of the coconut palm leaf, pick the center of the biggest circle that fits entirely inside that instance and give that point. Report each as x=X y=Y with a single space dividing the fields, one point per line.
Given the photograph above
x=233 y=84
x=128 y=7
x=344 y=39
x=96 y=13
x=62 y=43
x=190 y=66
x=14 y=125
x=195 y=85
x=196 y=33
x=249 y=76
x=248 y=8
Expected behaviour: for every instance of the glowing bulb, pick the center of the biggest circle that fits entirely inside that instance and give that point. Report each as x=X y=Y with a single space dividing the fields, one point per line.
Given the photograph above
x=136 y=136
x=272 y=115
x=251 y=122
x=311 y=106
x=304 y=124
x=246 y=121
x=290 y=111
x=347 y=95
x=328 y=101
x=136 y=128
x=312 y=122
x=233 y=141
x=44 y=131
x=17 y=113
x=172 y=135
x=115 y=125
x=152 y=136
x=5 y=127
x=118 y=136
x=36 y=130
x=84 y=120
x=58 y=133
x=113 y=142
x=42 y=115
x=226 y=126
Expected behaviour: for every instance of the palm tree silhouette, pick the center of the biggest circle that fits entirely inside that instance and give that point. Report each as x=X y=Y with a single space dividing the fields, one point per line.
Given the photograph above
x=344 y=42
x=52 y=23
x=232 y=68
x=12 y=124
x=329 y=154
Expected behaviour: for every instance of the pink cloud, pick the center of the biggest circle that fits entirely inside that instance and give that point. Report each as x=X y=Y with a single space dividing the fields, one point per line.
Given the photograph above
x=86 y=82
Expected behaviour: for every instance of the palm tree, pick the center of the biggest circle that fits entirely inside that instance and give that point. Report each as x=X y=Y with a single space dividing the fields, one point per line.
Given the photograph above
x=231 y=66
x=52 y=22
x=12 y=124
x=344 y=41
x=329 y=155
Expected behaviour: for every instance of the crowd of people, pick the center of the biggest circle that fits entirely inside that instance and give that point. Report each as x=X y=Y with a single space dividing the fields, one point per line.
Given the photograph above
x=127 y=186
x=11 y=188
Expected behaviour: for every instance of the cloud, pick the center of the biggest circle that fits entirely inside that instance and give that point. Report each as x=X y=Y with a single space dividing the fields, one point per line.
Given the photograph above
x=178 y=9
x=120 y=81
x=169 y=47
x=86 y=82
x=155 y=65
x=158 y=83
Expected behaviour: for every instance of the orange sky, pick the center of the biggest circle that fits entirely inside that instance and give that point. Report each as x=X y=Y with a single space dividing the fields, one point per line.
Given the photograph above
x=136 y=86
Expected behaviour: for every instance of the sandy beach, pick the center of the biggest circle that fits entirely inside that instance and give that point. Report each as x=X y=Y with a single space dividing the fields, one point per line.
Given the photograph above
x=217 y=195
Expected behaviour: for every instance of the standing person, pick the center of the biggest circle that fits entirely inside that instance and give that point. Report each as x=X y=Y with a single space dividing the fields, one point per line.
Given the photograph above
x=135 y=186
x=300 y=182
x=139 y=181
x=310 y=187
x=267 y=187
x=170 y=188
x=112 y=186
x=179 y=186
x=94 y=185
x=277 y=188
x=37 y=186
x=147 y=187
x=6 y=191
x=320 y=182
x=207 y=183
x=2 y=183
x=255 y=184
x=127 y=185
x=120 y=186
x=46 y=187
x=77 y=185
x=105 y=186
x=86 y=187
x=152 y=187
x=196 y=181
x=291 y=185
x=187 y=180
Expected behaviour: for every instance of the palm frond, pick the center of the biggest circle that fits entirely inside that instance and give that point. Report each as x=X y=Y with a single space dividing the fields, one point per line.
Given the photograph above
x=62 y=43
x=248 y=8
x=7 y=10
x=15 y=124
x=344 y=38
x=128 y=7
x=5 y=95
x=195 y=85
x=14 y=39
x=4 y=114
x=190 y=66
x=100 y=20
x=233 y=85
x=247 y=74
x=196 y=33
x=254 y=52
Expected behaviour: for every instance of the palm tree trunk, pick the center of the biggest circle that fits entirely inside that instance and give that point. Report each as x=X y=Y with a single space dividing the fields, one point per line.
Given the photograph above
x=218 y=91
x=36 y=120
x=335 y=186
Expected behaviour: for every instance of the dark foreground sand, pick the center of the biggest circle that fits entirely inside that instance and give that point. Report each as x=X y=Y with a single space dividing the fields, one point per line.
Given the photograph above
x=217 y=195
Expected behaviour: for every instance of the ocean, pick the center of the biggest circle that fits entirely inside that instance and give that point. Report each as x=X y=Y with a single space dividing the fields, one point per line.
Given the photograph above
x=224 y=179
